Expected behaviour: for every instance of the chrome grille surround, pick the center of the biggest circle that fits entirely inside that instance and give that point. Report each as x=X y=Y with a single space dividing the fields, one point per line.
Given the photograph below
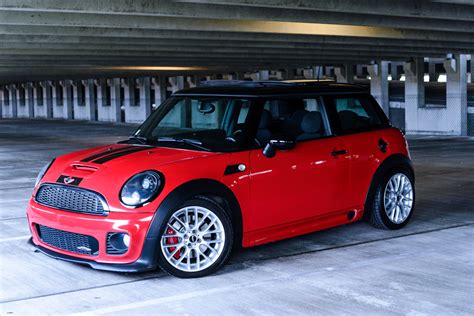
x=73 y=199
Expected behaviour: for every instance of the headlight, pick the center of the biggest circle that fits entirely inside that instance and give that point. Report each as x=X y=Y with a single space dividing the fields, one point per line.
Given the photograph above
x=141 y=188
x=43 y=172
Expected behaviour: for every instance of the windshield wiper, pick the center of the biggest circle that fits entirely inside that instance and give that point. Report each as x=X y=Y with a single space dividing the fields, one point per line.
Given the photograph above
x=142 y=140
x=194 y=142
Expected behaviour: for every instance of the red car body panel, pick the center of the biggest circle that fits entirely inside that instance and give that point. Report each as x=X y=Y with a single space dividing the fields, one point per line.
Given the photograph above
x=341 y=143
x=274 y=195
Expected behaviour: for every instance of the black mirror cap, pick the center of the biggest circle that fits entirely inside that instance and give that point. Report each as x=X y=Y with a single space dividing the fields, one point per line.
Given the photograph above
x=282 y=143
x=269 y=151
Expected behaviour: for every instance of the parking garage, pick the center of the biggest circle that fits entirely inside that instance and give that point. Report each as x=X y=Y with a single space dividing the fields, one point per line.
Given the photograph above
x=75 y=75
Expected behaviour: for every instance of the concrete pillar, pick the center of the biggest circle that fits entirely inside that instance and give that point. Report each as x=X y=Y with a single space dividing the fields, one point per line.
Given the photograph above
x=177 y=83
x=58 y=99
x=289 y=74
x=308 y=73
x=2 y=99
x=68 y=103
x=90 y=102
x=239 y=75
x=329 y=71
x=78 y=100
x=263 y=75
x=129 y=87
x=101 y=98
x=115 y=99
x=472 y=69
x=159 y=89
x=21 y=95
x=318 y=72
x=145 y=99
x=136 y=111
x=344 y=74
x=191 y=81
x=414 y=93
x=254 y=76
x=46 y=110
x=26 y=110
x=11 y=109
x=379 y=83
x=456 y=93
x=105 y=112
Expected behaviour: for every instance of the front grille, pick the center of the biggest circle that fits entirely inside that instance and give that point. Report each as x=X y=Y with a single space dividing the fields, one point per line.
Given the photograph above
x=72 y=199
x=82 y=244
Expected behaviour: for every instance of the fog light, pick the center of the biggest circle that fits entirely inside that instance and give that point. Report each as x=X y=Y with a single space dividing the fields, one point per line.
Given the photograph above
x=126 y=240
x=117 y=243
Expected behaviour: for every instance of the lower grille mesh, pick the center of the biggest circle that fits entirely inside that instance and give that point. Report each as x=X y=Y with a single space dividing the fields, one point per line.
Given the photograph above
x=82 y=244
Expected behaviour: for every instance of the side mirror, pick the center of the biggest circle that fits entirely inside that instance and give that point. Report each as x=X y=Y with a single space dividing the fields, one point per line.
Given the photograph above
x=283 y=144
x=280 y=143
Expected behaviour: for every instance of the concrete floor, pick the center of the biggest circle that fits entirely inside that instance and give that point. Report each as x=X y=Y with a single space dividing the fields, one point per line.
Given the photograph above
x=427 y=268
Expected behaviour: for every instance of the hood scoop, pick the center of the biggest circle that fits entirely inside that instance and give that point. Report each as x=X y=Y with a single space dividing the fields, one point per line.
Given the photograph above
x=86 y=168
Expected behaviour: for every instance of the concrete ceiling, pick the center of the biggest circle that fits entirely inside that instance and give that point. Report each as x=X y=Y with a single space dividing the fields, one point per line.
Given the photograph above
x=48 y=39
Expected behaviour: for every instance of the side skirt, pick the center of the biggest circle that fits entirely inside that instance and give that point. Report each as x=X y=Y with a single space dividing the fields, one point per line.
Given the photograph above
x=301 y=227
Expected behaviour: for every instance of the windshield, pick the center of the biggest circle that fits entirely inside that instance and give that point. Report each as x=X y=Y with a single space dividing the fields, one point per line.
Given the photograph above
x=199 y=123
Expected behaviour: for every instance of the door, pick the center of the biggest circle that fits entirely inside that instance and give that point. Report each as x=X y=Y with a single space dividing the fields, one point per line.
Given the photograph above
x=359 y=122
x=306 y=181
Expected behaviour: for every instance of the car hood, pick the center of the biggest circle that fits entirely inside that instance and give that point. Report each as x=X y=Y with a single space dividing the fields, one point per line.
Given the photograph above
x=106 y=168
x=126 y=157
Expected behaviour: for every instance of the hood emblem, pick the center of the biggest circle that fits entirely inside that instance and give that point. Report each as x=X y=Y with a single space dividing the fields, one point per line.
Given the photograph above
x=69 y=180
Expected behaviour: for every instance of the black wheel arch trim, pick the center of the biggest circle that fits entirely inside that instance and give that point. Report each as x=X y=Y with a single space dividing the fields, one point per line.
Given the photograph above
x=393 y=161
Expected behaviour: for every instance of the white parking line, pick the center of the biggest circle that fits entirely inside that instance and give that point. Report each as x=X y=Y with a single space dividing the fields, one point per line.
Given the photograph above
x=15 y=238
x=178 y=297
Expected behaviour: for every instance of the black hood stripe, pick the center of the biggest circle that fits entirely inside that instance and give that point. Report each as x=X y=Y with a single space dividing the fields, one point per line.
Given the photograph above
x=120 y=154
x=105 y=153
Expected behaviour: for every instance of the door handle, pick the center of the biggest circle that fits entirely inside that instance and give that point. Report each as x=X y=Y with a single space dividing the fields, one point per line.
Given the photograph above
x=339 y=152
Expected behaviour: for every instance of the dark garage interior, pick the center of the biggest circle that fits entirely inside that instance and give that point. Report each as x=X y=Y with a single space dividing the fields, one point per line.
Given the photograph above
x=81 y=74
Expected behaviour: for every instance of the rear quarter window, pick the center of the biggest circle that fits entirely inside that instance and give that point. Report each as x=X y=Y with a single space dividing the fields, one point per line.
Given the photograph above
x=349 y=114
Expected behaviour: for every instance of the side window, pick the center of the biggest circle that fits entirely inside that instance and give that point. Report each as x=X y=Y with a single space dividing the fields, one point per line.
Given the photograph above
x=297 y=118
x=244 y=111
x=355 y=114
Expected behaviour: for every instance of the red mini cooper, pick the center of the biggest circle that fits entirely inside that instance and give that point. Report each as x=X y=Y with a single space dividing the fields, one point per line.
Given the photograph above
x=223 y=165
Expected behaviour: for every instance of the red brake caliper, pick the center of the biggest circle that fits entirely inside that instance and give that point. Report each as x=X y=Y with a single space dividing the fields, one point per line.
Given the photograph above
x=173 y=241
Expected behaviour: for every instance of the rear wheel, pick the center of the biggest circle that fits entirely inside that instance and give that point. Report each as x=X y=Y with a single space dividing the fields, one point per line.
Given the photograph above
x=197 y=239
x=394 y=200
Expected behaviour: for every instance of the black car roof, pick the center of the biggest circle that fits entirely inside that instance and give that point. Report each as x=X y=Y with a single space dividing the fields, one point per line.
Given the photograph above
x=268 y=88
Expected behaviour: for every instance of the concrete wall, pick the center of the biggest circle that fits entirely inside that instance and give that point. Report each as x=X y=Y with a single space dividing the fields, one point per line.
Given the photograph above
x=116 y=100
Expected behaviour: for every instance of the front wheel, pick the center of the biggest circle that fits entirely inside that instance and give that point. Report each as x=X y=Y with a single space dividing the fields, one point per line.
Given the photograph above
x=394 y=200
x=196 y=240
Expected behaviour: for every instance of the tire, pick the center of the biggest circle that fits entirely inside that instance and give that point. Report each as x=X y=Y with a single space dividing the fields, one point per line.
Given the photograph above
x=394 y=194
x=200 y=249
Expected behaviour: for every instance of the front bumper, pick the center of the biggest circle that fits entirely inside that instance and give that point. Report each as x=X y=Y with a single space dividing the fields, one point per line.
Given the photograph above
x=139 y=257
x=146 y=262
